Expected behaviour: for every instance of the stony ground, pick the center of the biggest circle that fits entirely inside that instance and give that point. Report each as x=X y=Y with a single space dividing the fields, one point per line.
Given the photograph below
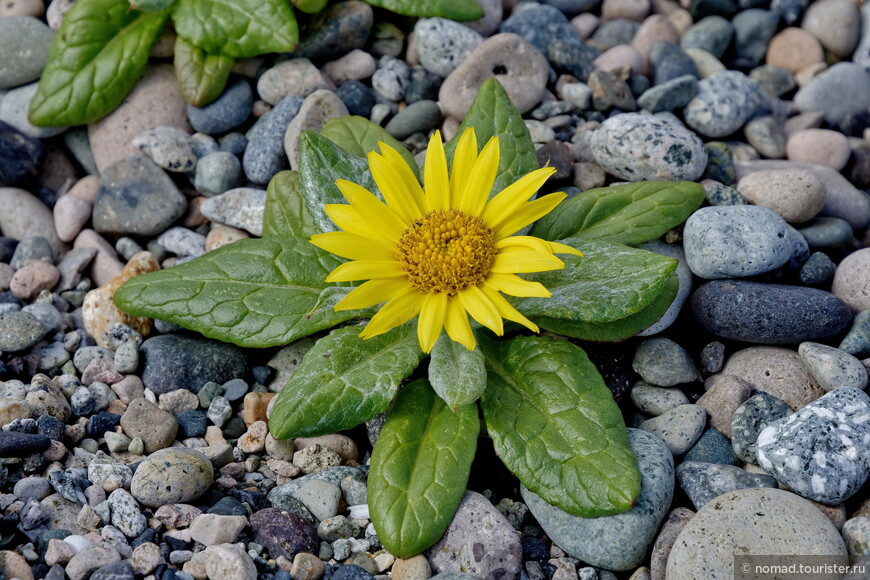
x=137 y=452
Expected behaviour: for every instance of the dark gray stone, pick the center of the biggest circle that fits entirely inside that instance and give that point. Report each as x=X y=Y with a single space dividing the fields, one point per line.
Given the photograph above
x=723 y=195
x=821 y=451
x=540 y=25
x=14 y=444
x=753 y=415
x=712 y=447
x=228 y=111
x=668 y=62
x=20 y=155
x=136 y=197
x=416 y=117
x=336 y=30
x=753 y=30
x=670 y=95
x=827 y=233
x=712 y=34
x=789 y=10
x=703 y=482
x=574 y=58
x=818 y=270
x=614 y=32
x=264 y=156
x=773 y=80
x=724 y=103
x=175 y=362
x=857 y=341
x=359 y=98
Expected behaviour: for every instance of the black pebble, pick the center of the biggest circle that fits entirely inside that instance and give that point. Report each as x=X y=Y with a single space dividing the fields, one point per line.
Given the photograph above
x=22 y=444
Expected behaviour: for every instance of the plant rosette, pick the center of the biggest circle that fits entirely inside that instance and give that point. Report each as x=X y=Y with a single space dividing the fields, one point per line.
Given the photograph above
x=431 y=255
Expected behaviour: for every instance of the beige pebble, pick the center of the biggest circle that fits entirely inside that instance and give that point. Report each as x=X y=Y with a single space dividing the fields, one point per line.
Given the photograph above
x=254 y=406
x=58 y=552
x=652 y=29
x=584 y=24
x=295 y=77
x=178 y=401
x=318 y=108
x=804 y=76
x=254 y=439
x=213 y=529
x=628 y=9
x=155 y=427
x=836 y=24
x=619 y=56
x=307 y=567
x=24 y=216
x=35 y=8
x=279 y=448
x=777 y=371
x=707 y=64
x=176 y=515
x=221 y=235
x=71 y=213
x=724 y=393
x=146 y=557
x=413 y=568
x=793 y=49
x=852 y=280
x=355 y=65
x=819 y=146
x=32 y=279
x=670 y=530
x=172 y=475
x=341 y=444
x=795 y=194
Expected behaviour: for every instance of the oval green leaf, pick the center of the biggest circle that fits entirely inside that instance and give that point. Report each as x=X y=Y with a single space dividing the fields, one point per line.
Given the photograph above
x=457 y=374
x=94 y=61
x=201 y=76
x=554 y=424
x=454 y=9
x=286 y=214
x=631 y=213
x=237 y=28
x=419 y=469
x=254 y=293
x=344 y=381
x=610 y=282
x=358 y=136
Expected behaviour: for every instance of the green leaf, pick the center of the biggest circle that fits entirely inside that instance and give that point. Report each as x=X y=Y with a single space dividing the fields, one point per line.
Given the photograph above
x=253 y=292
x=454 y=9
x=610 y=282
x=344 y=381
x=359 y=136
x=201 y=76
x=631 y=214
x=616 y=330
x=321 y=163
x=237 y=28
x=419 y=469
x=150 y=5
x=457 y=374
x=309 y=6
x=94 y=61
x=285 y=213
x=556 y=427
x=493 y=114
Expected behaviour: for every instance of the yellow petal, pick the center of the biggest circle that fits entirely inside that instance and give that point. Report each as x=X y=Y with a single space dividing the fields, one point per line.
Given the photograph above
x=350 y=220
x=528 y=242
x=502 y=206
x=393 y=188
x=435 y=175
x=457 y=326
x=431 y=320
x=516 y=286
x=508 y=312
x=476 y=190
x=354 y=246
x=526 y=214
x=371 y=293
x=481 y=309
x=399 y=310
x=558 y=248
x=378 y=215
x=463 y=161
x=366 y=270
x=524 y=261
x=406 y=174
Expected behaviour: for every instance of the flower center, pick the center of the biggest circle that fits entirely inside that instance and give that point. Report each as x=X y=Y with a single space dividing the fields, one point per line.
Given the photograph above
x=446 y=252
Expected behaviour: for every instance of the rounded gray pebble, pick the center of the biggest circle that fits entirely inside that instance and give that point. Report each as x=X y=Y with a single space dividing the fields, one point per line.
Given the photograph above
x=724 y=103
x=218 y=172
x=264 y=155
x=679 y=428
x=19 y=331
x=420 y=116
x=663 y=363
x=832 y=367
x=753 y=415
x=228 y=111
x=442 y=44
x=24 y=44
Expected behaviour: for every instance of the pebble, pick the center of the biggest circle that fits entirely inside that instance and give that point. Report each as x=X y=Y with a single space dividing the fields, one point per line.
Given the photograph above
x=776 y=371
x=136 y=198
x=766 y=135
x=14 y=444
x=668 y=61
x=663 y=362
x=125 y=513
x=90 y=559
x=264 y=156
x=420 y=116
x=20 y=331
x=391 y=78
x=750 y=521
x=317 y=108
x=13 y=110
x=241 y=208
x=575 y=59
x=228 y=111
x=540 y=25
x=180 y=362
x=218 y=172
x=712 y=34
x=618 y=542
x=838 y=92
x=856 y=534
x=724 y=394
x=835 y=24
x=316 y=458
x=32 y=279
x=229 y=561
x=712 y=447
x=668 y=96
x=704 y=482
x=518 y=66
x=479 y=541
x=679 y=428
x=443 y=44
x=850 y=280
x=819 y=146
x=21 y=156
x=169 y=147
x=723 y=104
x=169 y=476
x=25 y=216
x=182 y=242
x=321 y=498
x=214 y=529
x=155 y=101
x=282 y=533
x=795 y=194
x=735 y=241
x=145 y=420
x=832 y=367
x=23 y=49
x=794 y=49
x=656 y=400
x=356 y=65
x=337 y=30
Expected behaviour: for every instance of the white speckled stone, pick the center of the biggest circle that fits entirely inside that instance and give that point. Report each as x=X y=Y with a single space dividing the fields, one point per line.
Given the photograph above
x=821 y=451
x=750 y=521
x=638 y=147
x=832 y=367
x=443 y=44
x=656 y=400
x=241 y=208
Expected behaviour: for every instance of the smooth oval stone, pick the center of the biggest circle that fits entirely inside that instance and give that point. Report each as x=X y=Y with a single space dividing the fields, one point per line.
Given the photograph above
x=750 y=521
x=19 y=331
x=656 y=400
x=750 y=418
x=621 y=541
x=753 y=29
x=832 y=367
x=712 y=34
x=679 y=428
x=664 y=363
x=857 y=341
x=179 y=362
x=840 y=91
x=795 y=194
x=735 y=241
x=851 y=280
x=172 y=475
x=443 y=44
x=229 y=110
x=826 y=233
x=769 y=313
x=684 y=275
x=519 y=67
x=638 y=147
x=819 y=451
x=777 y=371
x=264 y=156
x=416 y=117
x=704 y=482
x=317 y=108
x=724 y=103
x=24 y=44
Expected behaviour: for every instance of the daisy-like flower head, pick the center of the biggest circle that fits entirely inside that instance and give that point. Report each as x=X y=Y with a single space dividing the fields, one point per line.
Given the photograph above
x=445 y=251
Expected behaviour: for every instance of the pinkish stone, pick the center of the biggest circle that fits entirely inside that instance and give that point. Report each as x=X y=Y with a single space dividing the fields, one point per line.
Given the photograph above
x=794 y=49
x=71 y=213
x=32 y=279
x=619 y=56
x=629 y=9
x=24 y=216
x=654 y=28
x=106 y=264
x=819 y=146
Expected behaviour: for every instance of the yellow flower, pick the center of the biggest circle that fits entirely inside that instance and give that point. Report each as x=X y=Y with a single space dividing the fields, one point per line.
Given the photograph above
x=443 y=252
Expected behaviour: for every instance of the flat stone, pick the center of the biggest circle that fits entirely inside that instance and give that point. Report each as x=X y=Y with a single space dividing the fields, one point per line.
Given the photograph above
x=750 y=521
x=724 y=103
x=679 y=427
x=618 y=542
x=318 y=108
x=817 y=451
x=264 y=156
x=832 y=367
x=704 y=482
x=656 y=400
x=639 y=147
x=241 y=208
x=20 y=331
x=776 y=371
x=664 y=363
x=172 y=476
x=180 y=362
